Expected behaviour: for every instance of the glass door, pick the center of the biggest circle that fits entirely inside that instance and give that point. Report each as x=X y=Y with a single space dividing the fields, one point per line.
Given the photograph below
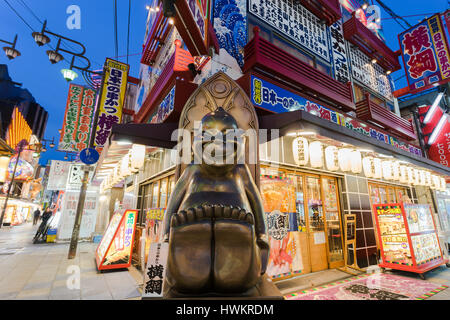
x=316 y=230
x=333 y=222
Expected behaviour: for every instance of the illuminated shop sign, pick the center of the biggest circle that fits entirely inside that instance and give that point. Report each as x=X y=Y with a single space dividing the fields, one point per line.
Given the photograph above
x=425 y=54
x=273 y=98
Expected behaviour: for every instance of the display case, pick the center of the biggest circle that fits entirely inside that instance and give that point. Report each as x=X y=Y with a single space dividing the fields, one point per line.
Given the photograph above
x=408 y=237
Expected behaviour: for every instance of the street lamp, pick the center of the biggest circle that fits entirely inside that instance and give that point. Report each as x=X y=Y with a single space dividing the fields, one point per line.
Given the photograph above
x=11 y=52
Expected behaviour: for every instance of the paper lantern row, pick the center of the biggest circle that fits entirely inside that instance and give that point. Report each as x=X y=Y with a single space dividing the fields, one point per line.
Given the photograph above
x=350 y=160
x=129 y=164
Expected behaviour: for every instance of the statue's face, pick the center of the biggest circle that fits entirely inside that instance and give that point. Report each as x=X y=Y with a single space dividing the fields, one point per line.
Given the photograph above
x=219 y=141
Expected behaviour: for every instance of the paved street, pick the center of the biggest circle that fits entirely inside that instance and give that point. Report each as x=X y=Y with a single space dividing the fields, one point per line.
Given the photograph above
x=40 y=271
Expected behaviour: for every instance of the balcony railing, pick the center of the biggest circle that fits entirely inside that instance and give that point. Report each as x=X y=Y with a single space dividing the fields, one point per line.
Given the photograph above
x=359 y=35
x=368 y=110
x=260 y=54
x=328 y=10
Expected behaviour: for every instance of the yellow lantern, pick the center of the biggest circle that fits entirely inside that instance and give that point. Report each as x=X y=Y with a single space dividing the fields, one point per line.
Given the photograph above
x=345 y=159
x=316 y=154
x=300 y=149
x=331 y=158
x=355 y=157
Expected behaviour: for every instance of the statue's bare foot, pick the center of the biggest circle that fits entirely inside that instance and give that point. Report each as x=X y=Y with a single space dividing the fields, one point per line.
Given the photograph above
x=237 y=264
x=189 y=261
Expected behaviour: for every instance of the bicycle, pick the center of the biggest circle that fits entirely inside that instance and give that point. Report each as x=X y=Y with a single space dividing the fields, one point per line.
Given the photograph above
x=41 y=232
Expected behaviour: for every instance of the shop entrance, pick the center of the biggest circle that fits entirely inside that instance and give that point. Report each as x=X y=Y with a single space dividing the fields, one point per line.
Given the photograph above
x=314 y=220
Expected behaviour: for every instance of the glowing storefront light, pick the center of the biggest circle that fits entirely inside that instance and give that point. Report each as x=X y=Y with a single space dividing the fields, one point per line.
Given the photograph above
x=403 y=174
x=355 y=157
x=378 y=172
x=345 y=161
x=387 y=170
x=395 y=170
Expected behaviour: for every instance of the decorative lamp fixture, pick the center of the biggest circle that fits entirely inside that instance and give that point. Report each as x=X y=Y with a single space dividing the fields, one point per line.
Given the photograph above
x=378 y=171
x=54 y=56
x=316 y=154
x=395 y=170
x=387 y=170
x=40 y=38
x=300 y=149
x=368 y=167
x=331 y=158
x=403 y=174
x=69 y=74
x=355 y=159
x=11 y=53
x=345 y=160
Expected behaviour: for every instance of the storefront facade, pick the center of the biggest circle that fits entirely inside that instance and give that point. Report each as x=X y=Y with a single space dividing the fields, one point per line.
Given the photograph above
x=342 y=145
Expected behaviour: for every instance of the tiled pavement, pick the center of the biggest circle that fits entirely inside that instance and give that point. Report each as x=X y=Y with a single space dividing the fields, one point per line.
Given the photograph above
x=41 y=271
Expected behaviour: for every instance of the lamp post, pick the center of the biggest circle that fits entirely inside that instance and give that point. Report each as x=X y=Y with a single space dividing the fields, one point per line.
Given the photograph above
x=54 y=56
x=11 y=52
x=20 y=147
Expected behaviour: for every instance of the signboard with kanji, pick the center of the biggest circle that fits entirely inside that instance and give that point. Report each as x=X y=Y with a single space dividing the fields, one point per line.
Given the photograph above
x=155 y=270
x=111 y=100
x=80 y=108
x=116 y=247
x=425 y=54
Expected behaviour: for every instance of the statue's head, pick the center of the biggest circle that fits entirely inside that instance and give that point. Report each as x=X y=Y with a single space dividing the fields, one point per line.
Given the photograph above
x=221 y=142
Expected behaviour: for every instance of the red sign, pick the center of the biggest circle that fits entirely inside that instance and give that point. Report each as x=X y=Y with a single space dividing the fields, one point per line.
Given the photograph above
x=426 y=54
x=439 y=151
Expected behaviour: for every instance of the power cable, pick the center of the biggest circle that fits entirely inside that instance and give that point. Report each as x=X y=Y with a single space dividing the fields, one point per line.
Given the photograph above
x=128 y=33
x=115 y=29
x=18 y=14
x=396 y=17
x=31 y=11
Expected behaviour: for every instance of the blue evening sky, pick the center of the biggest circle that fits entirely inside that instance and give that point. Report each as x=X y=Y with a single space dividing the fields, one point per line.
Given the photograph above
x=45 y=81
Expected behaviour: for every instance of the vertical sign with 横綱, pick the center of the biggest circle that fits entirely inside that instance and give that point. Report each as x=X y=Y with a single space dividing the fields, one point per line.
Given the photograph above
x=425 y=54
x=111 y=101
x=155 y=270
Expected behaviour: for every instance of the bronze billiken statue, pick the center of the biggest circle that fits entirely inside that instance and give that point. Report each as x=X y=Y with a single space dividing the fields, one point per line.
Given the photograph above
x=214 y=222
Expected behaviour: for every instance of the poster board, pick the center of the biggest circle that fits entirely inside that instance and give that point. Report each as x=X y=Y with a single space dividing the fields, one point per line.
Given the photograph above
x=116 y=247
x=153 y=226
x=285 y=257
x=408 y=237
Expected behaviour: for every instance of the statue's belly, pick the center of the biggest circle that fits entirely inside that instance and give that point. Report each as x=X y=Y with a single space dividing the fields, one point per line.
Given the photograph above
x=200 y=198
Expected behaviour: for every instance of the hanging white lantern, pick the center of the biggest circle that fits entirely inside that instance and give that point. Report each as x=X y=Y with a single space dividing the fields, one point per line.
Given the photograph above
x=395 y=170
x=435 y=182
x=137 y=157
x=378 y=171
x=355 y=157
x=368 y=167
x=410 y=172
x=443 y=184
x=422 y=178
x=345 y=159
x=428 y=182
x=301 y=151
x=125 y=166
x=403 y=174
x=387 y=170
x=416 y=176
x=331 y=158
x=316 y=154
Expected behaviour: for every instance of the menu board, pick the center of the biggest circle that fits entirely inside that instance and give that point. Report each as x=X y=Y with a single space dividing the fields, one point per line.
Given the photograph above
x=415 y=248
x=393 y=234
x=419 y=218
x=117 y=242
x=426 y=247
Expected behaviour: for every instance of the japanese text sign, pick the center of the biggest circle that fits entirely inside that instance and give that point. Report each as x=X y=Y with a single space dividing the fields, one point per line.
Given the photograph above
x=76 y=130
x=111 y=101
x=155 y=270
x=425 y=54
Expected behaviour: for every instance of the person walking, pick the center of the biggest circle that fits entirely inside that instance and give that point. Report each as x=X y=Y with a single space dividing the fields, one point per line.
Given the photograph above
x=36 y=215
x=46 y=215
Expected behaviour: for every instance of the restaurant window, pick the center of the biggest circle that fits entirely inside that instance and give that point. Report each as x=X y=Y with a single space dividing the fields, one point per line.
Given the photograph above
x=163 y=193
